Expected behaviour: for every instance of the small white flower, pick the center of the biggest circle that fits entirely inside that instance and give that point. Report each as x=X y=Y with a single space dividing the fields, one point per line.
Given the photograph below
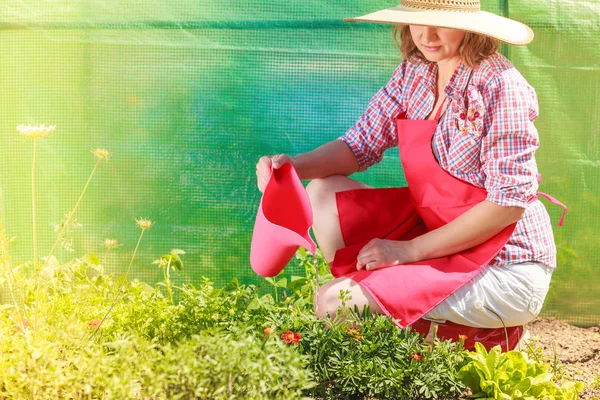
x=143 y=223
x=102 y=154
x=36 y=132
x=110 y=243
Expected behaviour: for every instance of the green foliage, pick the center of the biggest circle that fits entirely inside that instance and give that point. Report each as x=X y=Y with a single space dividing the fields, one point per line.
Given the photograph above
x=231 y=342
x=74 y=332
x=512 y=375
x=378 y=360
x=212 y=365
x=168 y=262
x=146 y=348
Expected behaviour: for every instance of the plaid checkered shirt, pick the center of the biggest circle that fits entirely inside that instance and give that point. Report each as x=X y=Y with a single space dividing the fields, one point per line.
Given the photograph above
x=486 y=137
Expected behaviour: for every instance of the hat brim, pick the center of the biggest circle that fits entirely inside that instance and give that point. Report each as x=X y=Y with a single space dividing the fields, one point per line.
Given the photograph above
x=482 y=22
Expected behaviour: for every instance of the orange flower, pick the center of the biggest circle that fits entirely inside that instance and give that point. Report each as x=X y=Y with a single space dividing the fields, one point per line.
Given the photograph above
x=291 y=337
x=355 y=334
x=268 y=331
x=462 y=338
x=94 y=323
x=23 y=326
x=416 y=356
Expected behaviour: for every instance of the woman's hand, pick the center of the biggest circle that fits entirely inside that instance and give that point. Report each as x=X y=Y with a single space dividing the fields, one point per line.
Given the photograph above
x=381 y=253
x=263 y=168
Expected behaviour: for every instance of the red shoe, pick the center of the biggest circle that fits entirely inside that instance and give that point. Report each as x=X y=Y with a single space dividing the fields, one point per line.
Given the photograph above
x=488 y=337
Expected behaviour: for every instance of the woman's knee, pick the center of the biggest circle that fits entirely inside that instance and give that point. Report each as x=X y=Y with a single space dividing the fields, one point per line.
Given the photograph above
x=333 y=295
x=326 y=301
x=321 y=193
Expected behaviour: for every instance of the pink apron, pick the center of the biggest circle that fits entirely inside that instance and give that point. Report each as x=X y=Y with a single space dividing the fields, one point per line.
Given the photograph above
x=433 y=198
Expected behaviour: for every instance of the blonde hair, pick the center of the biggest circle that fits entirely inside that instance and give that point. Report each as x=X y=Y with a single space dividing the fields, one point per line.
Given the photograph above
x=473 y=49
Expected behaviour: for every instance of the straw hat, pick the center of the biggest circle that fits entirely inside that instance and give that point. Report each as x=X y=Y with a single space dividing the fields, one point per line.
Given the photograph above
x=465 y=15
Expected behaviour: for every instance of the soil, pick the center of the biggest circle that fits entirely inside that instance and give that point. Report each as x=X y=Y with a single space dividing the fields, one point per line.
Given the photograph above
x=576 y=349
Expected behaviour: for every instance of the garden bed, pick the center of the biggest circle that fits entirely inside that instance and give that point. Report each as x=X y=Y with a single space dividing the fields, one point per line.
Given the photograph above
x=577 y=349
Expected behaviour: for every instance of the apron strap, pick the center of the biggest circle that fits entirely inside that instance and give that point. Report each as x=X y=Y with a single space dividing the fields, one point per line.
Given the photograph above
x=438 y=114
x=553 y=201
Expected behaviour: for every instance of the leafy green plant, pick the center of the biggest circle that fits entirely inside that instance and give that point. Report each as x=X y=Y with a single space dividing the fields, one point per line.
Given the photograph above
x=277 y=284
x=214 y=364
x=144 y=225
x=512 y=375
x=378 y=360
x=550 y=362
x=145 y=347
x=168 y=262
x=357 y=355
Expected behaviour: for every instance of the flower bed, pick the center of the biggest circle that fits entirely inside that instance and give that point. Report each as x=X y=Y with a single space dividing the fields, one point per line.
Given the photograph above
x=68 y=341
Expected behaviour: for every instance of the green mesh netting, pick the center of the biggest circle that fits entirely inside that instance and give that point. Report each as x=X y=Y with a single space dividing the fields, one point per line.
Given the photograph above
x=187 y=94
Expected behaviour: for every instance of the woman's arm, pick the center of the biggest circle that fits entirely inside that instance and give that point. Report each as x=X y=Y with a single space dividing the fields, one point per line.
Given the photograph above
x=473 y=227
x=332 y=158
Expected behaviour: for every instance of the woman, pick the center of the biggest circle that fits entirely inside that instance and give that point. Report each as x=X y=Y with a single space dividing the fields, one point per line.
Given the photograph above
x=467 y=244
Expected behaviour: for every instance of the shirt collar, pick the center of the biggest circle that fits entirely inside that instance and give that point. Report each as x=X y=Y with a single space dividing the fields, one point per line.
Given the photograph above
x=457 y=83
x=428 y=73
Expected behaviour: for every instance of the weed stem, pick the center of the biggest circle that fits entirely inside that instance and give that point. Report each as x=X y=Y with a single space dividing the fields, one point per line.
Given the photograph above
x=33 y=213
x=5 y=261
x=117 y=296
x=70 y=214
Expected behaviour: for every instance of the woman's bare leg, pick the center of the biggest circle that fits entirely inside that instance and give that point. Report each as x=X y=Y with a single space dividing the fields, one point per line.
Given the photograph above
x=326 y=224
x=326 y=227
x=329 y=301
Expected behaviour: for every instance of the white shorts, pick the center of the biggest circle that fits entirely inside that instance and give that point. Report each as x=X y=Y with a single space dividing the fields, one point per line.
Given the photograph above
x=514 y=292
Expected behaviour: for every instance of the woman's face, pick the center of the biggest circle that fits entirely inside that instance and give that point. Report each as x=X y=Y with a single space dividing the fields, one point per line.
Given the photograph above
x=437 y=44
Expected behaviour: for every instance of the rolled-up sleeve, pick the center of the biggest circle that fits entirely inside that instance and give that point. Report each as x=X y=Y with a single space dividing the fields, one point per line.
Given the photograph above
x=374 y=132
x=510 y=140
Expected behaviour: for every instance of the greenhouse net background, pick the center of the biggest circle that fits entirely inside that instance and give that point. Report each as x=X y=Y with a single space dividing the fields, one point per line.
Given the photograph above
x=188 y=94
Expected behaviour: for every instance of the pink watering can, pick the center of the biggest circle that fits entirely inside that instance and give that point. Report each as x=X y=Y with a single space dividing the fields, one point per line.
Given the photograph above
x=282 y=223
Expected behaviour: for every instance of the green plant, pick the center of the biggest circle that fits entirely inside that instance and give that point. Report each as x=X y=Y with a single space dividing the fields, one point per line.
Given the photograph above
x=550 y=362
x=378 y=360
x=357 y=354
x=214 y=364
x=277 y=283
x=512 y=375
x=167 y=262
x=144 y=225
x=147 y=347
